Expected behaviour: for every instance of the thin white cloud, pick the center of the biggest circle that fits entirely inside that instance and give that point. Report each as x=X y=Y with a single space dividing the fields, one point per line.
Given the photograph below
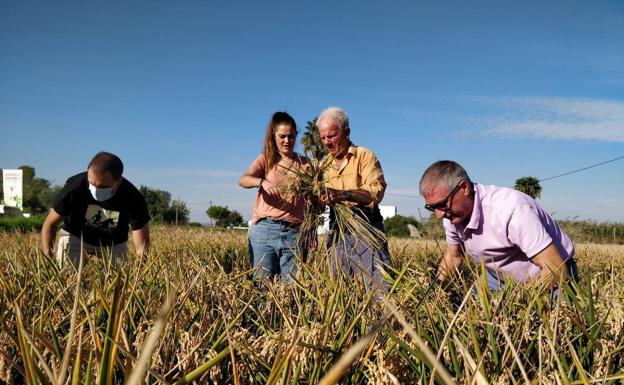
x=190 y=172
x=559 y=118
x=209 y=173
x=601 y=131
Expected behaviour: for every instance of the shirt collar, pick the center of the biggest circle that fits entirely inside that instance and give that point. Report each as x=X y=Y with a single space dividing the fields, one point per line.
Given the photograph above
x=351 y=152
x=352 y=149
x=475 y=217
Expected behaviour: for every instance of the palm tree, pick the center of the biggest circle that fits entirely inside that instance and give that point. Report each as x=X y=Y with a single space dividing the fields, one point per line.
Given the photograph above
x=311 y=141
x=529 y=185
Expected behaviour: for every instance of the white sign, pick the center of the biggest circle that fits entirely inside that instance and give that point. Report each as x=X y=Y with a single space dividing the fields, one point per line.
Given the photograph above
x=12 y=186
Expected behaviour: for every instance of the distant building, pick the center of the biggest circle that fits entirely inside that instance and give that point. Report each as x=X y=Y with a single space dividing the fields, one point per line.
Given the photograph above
x=324 y=228
x=386 y=212
x=414 y=233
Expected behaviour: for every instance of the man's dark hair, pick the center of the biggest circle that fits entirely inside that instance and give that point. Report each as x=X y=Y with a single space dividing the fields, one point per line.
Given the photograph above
x=104 y=162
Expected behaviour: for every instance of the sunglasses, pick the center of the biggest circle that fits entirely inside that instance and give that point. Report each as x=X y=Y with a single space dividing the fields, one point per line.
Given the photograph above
x=444 y=204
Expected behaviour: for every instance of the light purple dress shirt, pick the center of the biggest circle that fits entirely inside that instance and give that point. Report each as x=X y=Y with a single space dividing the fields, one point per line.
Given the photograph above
x=506 y=229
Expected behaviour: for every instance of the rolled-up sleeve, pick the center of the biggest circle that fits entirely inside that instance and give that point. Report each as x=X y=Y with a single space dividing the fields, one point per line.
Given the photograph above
x=372 y=177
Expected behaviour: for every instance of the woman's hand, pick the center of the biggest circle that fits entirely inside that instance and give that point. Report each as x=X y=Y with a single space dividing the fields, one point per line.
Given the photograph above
x=270 y=188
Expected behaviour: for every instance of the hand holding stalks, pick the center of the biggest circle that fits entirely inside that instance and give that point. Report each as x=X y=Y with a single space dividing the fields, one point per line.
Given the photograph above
x=358 y=196
x=332 y=196
x=270 y=188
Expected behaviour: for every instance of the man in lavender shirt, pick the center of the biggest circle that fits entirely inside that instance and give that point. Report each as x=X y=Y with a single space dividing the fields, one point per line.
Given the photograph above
x=506 y=230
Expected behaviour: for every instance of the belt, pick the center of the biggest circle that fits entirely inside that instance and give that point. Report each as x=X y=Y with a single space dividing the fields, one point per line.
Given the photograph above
x=279 y=221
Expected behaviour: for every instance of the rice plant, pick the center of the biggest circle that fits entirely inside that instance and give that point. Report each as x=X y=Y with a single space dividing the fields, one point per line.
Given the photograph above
x=311 y=182
x=190 y=313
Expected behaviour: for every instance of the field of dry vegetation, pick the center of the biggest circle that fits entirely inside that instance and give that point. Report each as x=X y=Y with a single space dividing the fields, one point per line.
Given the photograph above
x=190 y=312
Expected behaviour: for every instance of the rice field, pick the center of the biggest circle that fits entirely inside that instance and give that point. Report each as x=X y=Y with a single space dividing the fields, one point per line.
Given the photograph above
x=190 y=313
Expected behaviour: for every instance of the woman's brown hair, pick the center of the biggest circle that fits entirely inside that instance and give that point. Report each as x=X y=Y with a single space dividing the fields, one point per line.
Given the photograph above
x=271 y=153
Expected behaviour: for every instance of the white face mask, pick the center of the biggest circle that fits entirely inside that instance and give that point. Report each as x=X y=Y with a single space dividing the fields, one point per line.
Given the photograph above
x=101 y=194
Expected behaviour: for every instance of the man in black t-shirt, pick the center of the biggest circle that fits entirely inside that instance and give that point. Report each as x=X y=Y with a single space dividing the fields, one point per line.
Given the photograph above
x=98 y=207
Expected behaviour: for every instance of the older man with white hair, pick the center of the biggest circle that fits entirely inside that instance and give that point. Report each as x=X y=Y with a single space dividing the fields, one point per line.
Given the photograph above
x=355 y=178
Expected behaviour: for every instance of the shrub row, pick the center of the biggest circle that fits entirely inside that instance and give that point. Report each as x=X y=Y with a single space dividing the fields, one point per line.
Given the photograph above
x=23 y=224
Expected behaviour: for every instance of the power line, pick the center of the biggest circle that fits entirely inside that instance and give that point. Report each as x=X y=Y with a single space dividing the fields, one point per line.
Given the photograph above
x=540 y=180
x=418 y=196
x=403 y=195
x=582 y=169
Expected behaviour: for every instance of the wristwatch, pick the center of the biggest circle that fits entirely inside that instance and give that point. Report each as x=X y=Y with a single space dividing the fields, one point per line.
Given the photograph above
x=346 y=195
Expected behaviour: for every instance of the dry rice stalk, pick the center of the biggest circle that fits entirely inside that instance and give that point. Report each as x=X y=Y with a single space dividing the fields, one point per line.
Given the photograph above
x=348 y=221
x=311 y=182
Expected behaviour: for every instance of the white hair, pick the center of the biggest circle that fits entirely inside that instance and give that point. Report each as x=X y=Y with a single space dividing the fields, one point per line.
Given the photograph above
x=336 y=114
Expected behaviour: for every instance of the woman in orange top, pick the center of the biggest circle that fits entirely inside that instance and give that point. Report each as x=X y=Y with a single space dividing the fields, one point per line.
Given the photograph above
x=276 y=217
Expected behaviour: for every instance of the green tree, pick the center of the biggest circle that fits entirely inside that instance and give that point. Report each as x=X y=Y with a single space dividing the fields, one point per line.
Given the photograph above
x=397 y=225
x=529 y=185
x=47 y=197
x=33 y=189
x=433 y=228
x=157 y=202
x=311 y=141
x=161 y=209
x=234 y=219
x=223 y=217
x=38 y=193
x=219 y=214
x=177 y=213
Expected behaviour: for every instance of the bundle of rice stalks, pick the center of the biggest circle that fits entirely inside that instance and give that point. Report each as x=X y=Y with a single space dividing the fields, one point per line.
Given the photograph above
x=311 y=182
x=350 y=220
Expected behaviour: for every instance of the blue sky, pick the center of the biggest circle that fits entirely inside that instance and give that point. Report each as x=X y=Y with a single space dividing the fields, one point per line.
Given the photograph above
x=182 y=91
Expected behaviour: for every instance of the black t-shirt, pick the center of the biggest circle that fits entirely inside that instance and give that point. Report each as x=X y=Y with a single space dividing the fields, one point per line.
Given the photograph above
x=101 y=223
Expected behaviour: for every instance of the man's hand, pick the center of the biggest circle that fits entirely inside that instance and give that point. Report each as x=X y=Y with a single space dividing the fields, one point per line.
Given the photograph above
x=452 y=260
x=48 y=232
x=332 y=196
x=141 y=240
x=312 y=199
x=359 y=196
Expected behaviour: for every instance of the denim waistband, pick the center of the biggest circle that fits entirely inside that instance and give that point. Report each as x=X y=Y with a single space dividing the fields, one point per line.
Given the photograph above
x=278 y=221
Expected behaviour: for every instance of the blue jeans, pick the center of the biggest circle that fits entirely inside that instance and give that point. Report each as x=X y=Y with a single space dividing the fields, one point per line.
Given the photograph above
x=273 y=247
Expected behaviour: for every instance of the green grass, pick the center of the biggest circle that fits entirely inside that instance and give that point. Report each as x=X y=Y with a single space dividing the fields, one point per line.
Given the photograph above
x=19 y=223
